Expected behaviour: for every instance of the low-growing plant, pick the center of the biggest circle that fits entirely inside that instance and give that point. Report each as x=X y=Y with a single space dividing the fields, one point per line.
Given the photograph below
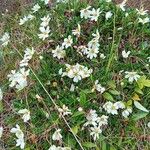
x=75 y=75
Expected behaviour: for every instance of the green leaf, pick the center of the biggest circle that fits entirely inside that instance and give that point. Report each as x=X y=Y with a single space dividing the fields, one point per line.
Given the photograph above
x=108 y=96
x=139 y=116
x=78 y=113
x=114 y=92
x=138 y=90
x=75 y=129
x=82 y=98
x=143 y=82
x=89 y=145
x=1 y=106
x=140 y=107
x=111 y=84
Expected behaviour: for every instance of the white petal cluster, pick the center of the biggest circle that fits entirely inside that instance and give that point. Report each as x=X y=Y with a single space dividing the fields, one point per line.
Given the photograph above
x=125 y=54
x=18 y=79
x=131 y=76
x=112 y=108
x=53 y=147
x=77 y=72
x=4 y=40
x=25 y=113
x=67 y=42
x=64 y=111
x=20 y=136
x=27 y=57
x=1 y=94
x=127 y=112
x=1 y=131
x=98 y=87
x=59 y=52
x=91 y=14
x=45 y=1
x=44 y=28
x=25 y=19
x=95 y=122
x=108 y=15
x=36 y=8
x=142 y=12
x=57 y=135
x=45 y=21
x=144 y=20
x=122 y=5
x=77 y=31
x=92 y=49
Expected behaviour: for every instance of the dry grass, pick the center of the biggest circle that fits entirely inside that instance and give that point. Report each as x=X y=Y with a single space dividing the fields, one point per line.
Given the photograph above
x=16 y=5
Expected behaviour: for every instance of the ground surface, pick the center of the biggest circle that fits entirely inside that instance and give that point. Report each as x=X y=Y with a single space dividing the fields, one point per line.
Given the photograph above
x=16 y=5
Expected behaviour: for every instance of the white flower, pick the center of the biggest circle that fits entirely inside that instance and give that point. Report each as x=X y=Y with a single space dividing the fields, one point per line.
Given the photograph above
x=84 y=49
x=59 y=52
x=92 y=52
x=57 y=135
x=108 y=1
x=148 y=59
x=45 y=21
x=5 y=39
x=20 y=142
x=67 y=42
x=110 y=108
x=18 y=79
x=98 y=87
x=64 y=111
x=119 y=105
x=1 y=131
x=45 y=1
x=1 y=94
x=23 y=20
x=95 y=132
x=126 y=112
x=53 y=147
x=18 y=132
x=94 y=14
x=91 y=118
x=142 y=12
x=30 y=17
x=80 y=109
x=102 y=56
x=131 y=76
x=125 y=54
x=77 y=31
x=72 y=88
x=77 y=72
x=148 y=124
x=122 y=5
x=27 y=56
x=103 y=120
x=144 y=20
x=26 y=114
x=108 y=15
x=36 y=8
x=85 y=13
x=44 y=32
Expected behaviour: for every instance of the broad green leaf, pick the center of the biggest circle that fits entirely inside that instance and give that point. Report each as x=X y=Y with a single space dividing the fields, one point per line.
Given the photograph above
x=111 y=84
x=108 y=96
x=138 y=90
x=89 y=144
x=139 y=106
x=139 y=116
x=78 y=113
x=75 y=129
x=82 y=98
x=143 y=82
x=114 y=92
